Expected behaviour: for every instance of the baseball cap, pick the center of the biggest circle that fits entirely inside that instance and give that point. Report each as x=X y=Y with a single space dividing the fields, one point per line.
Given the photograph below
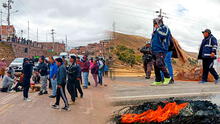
x=207 y=30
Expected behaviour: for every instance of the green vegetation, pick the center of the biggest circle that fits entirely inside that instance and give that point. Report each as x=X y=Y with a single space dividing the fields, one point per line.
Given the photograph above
x=192 y=61
x=127 y=55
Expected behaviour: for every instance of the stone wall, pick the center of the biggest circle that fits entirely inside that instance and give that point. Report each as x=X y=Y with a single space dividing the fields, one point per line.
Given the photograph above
x=27 y=50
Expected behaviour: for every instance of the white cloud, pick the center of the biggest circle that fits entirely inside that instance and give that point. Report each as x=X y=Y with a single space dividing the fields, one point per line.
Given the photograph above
x=83 y=21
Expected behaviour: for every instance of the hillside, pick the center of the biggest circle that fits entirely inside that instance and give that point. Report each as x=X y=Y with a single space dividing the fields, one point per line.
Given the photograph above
x=189 y=70
x=6 y=52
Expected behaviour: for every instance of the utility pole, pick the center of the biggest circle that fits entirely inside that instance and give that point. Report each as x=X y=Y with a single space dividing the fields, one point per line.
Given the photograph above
x=52 y=33
x=1 y=24
x=28 y=31
x=22 y=31
x=8 y=6
x=113 y=26
x=46 y=37
x=66 y=44
x=37 y=34
x=161 y=14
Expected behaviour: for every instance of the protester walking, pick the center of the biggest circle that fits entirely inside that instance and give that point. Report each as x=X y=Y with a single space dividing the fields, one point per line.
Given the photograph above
x=85 y=70
x=42 y=68
x=207 y=53
x=95 y=71
x=73 y=73
x=147 y=59
x=27 y=71
x=61 y=83
x=159 y=47
x=53 y=78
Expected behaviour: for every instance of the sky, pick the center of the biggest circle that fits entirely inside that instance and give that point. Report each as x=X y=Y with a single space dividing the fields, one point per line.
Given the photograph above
x=83 y=21
x=86 y=21
x=186 y=18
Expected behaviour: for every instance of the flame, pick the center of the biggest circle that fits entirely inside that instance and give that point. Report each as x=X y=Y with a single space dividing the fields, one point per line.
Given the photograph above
x=159 y=115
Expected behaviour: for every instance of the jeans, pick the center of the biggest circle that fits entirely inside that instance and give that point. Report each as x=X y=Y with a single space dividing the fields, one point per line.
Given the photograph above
x=54 y=86
x=168 y=63
x=100 y=75
x=85 y=78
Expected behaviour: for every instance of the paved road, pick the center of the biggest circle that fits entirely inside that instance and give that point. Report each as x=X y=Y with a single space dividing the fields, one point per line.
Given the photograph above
x=94 y=108
x=127 y=89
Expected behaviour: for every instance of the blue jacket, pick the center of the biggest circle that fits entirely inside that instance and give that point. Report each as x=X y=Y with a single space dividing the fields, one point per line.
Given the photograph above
x=208 y=46
x=53 y=70
x=160 y=40
x=61 y=75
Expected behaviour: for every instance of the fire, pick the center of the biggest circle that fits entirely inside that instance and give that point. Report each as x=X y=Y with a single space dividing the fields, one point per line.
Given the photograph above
x=159 y=115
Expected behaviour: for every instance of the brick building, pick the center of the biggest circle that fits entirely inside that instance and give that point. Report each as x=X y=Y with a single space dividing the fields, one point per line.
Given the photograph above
x=48 y=46
x=6 y=31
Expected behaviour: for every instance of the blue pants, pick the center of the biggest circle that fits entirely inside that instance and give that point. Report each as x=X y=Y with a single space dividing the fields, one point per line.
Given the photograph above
x=100 y=75
x=168 y=63
x=85 y=78
x=54 y=86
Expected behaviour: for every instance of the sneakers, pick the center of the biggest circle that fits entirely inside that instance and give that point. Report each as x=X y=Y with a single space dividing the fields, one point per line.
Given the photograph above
x=147 y=77
x=55 y=106
x=216 y=81
x=45 y=92
x=66 y=108
x=156 y=83
x=202 y=82
x=27 y=99
x=85 y=87
x=40 y=93
x=171 y=81
x=166 y=81
x=81 y=95
x=52 y=96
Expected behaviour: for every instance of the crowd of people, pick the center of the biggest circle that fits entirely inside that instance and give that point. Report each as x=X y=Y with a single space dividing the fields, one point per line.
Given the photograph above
x=62 y=74
x=158 y=52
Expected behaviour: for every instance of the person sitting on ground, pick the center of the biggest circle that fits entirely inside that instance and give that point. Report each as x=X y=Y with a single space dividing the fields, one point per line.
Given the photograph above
x=7 y=82
x=19 y=85
x=36 y=77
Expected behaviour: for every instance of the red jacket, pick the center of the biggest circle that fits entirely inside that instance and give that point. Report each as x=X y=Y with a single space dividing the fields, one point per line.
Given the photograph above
x=85 y=66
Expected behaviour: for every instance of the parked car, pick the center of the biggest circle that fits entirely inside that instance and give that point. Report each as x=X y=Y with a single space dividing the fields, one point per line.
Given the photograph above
x=17 y=64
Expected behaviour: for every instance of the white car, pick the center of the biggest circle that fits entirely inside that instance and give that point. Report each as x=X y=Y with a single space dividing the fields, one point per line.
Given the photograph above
x=17 y=64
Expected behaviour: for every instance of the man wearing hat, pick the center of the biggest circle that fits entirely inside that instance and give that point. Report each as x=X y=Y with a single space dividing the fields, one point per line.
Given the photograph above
x=207 y=53
x=159 y=46
x=147 y=59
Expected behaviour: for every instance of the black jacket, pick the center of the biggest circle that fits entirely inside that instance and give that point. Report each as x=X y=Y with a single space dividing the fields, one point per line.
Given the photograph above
x=147 y=53
x=43 y=69
x=73 y=72
x=27 y=70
